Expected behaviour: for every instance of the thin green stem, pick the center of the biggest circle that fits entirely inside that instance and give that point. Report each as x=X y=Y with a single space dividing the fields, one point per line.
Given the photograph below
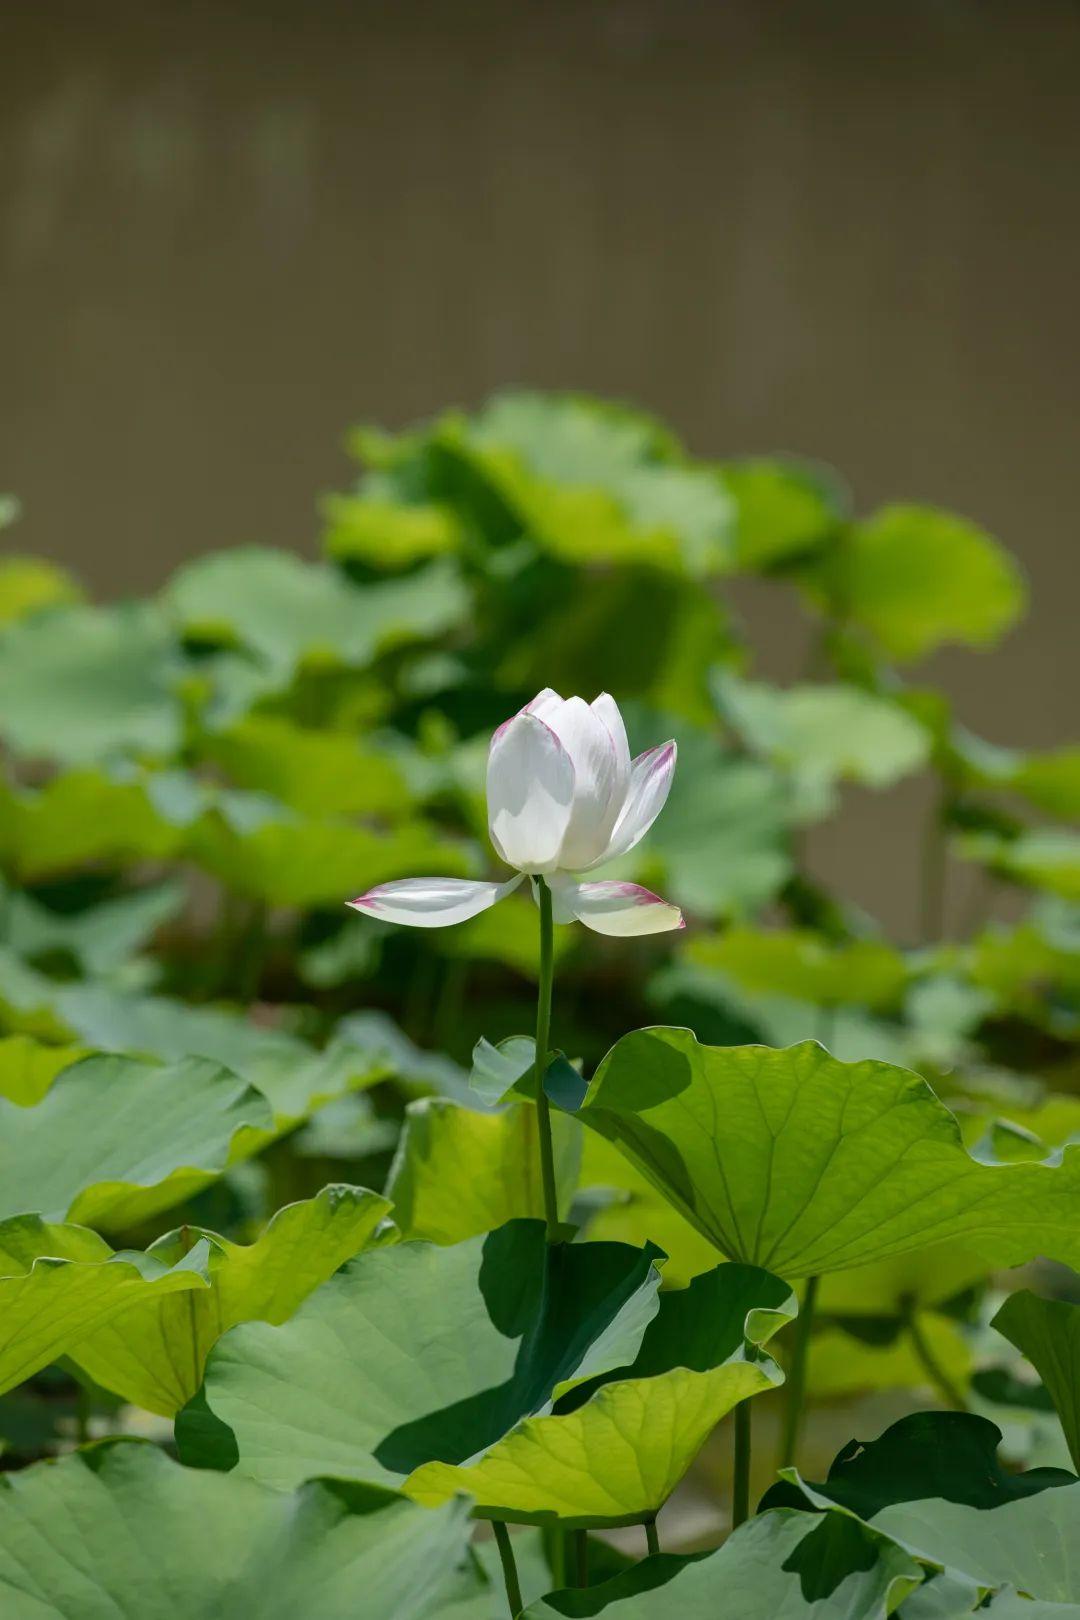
x=557 y=1558
x=740 y=1501
x=509 y=1567
x=543 y=1035
x=796 y=1379
x=934 y=872
x=581 y=1557
x=82 y=1414
x=652 y=1538
x=928 y=1360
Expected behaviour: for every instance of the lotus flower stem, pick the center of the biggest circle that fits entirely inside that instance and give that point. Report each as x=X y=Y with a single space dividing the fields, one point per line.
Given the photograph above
x=543 y=1034
x=796 y=1380
x=740 y=1503
x=581 y=1557
x=509 y=1567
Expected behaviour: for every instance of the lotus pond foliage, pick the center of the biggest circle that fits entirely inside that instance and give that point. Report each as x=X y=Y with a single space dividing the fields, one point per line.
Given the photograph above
x=377 y=1241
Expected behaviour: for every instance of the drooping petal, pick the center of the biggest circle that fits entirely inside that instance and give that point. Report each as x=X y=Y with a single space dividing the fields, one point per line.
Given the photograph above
x=530 y=793
x=598 y=797
x=650 y=784
x=622 y=909
x=431 y=902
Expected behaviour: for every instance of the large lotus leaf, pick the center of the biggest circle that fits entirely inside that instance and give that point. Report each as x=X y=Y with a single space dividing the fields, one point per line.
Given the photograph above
x=915 y=578
x=319 y=773
x=721 y=847
x=387 y=533
x=143 y=1537
x=294 y=1076
x=1033 y=969
x=83 y=684
x=416 y=1352
x=616 y=1458
x=1042 y=858
x=30 y=584
x=801 y=964
x=28 y=1068
x=793 y=1160
x=81 y=816
x=116 y=1140
x=290 y=613
x=621 y=1206
x=1047 y=1332
x=458 y=1172
x=825 y=733
x=290 y=860
x=96 y=940
x=59 y=1283
x=949 y=1456
x=785 y=509
x=597 y=483
x=779 y=1566
x=887 y=1288
x=155 y=1352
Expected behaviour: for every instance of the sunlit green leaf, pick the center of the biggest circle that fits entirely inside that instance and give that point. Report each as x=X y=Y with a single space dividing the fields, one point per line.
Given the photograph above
x=388 y=534
x=80 y=816
x=143 y=1536
x=781 y=1566
x=597 y=483
x=28 y=1068
x=115 y=1140
x=617 y=1458
x=154 y=1352
x=83 y=684
x=96 y=940
x=458 y=1172
x=785 y=509
x=915 y=577
x=320 y=773
x=60 y=1283
x=500 y=1326
x=29 y=584
x=800 y=963
x=1042 y=858
x=824 y=733
x=1047 y=1331
x=842 y=1364
x=795 y=1161
x=292 y=613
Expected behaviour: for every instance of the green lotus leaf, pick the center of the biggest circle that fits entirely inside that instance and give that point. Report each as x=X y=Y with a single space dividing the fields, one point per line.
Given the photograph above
x=1045 y=858
x=83 y=684
x=458 y=1172
x=28 y=1068
x=294 y=1076
x=497 y=1069
x=801 y=964
x=292 y=613
x=231 y=1547
x=947 y=1456
x=60 y=1283
x=30 y=584
x=81 y=816
x=597 y=483
x=115 y=1140
x=779 y=1566
x=154 y=1353
x=843 y=1363
x=320 y=773
x=1033 y=969
x=795 y=1161
x=509 y=934
x=622 y=1206
x=96 y=940
x=616 y=1458
x=915 y=578
x=499 y=1325
x=825 y=733
x=289 y=860
x=785 y=509
x=1047 y=1332
x=919 y=1278
x=385 y=533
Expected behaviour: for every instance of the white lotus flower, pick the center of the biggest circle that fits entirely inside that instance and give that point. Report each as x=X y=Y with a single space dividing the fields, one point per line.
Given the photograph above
x=563 y=797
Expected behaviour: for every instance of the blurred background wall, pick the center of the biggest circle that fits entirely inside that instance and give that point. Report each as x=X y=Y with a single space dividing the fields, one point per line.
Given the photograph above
x=229 y=230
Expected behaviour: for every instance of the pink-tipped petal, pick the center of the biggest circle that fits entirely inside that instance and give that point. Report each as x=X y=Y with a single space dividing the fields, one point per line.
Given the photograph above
x=431 y=902
x=530 y=793
x=607 y=709
x=619 y=909
x=544 y=704
x=650 y=783
x=598 y=792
